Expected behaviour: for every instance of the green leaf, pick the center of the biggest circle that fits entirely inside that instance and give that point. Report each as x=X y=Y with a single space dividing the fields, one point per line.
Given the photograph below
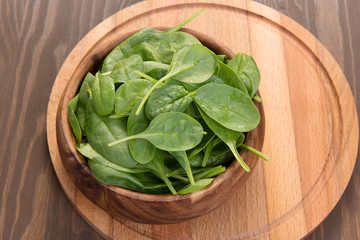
x=228 y=106
x=169 y=98
x=172 y=43
x=124 y=70
x=103 y=93
x=141 y=182
x=141 y=149
x=199 y=184
x=192 y=64
x=228 y=136
x=247 y=70
x=84 y=98
x=182 y=159
x=145 y=50
x=100 y=131
x=86 y=150
x=171 y=131
x=158 y=168
x=156 y=70
x=128 y=94
x=229 y=76
x=74 y=123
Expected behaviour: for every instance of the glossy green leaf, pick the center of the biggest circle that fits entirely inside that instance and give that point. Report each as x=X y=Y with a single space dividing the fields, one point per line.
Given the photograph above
x=228 y=136
x=222 y=58
x=100 y=131
x=169 y=98
x=192 y=64
x=158 y=168
x=156 y=70
x=199 y=184
x=182 y=159
x=229 y=76
x=171 y=131
x=172 y=43
x=124 y=70
x=74 y=123
x=228 y=106
x=103 y=93
x=140 y=182
x=84 y=99
x=194 y=86
x=247 y=70
x=86 y=150
x=145 y=50
x=128 y=94
x=141 y=149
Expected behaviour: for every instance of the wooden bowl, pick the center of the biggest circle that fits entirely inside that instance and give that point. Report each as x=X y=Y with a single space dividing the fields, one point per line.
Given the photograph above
x=141 y=207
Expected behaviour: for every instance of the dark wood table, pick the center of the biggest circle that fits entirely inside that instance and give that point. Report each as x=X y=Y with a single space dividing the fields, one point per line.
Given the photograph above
x=36 y=37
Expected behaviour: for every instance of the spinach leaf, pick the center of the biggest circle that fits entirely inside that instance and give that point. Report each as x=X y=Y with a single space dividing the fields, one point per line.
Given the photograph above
x=194 y=86
x=209 y=172
x=245 y=67
x=228 y=106
x=222 y=58
x=100 y=131
x=228 y=136
x=86 y=150
x=158 y=168
x=124 y=70
x=193 y=64
x=156 y=70
x=140 y=182
x=204 y=142
x=111 y=59
x=128 y=94
x=74 y=123
x=103 y=93
x=141 y=149
x=197 y=160
x=182 y=159
x=172 y=131
x=84 y=98
x=172 y=43
x=169 y=98
x=209 y=149
x=145 y=50
x=219 y=148
x=229 y=76
x=199 y=184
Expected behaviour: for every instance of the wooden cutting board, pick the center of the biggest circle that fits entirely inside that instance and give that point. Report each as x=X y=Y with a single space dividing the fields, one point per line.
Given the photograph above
x=311 y=125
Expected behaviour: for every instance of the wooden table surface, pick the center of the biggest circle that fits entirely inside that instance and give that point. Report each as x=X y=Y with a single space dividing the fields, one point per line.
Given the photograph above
x=36 y=37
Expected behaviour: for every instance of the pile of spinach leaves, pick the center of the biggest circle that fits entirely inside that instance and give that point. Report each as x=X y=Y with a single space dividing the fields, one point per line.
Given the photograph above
x=164 y=113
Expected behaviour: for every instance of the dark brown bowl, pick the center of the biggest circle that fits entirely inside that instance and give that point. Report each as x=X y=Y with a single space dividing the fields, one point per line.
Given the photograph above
x=141 y=207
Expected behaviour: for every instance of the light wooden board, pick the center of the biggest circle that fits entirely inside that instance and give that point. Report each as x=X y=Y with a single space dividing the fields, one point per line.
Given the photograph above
x=311 y=125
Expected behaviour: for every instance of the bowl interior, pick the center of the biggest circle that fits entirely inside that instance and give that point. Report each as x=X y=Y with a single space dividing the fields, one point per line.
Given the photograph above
x=76 y=165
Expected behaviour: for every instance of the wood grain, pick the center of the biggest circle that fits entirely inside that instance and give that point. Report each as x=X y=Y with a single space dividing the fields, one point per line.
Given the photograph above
x=36 y=37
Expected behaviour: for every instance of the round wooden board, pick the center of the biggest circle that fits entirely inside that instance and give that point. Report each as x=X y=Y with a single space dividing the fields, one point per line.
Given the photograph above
x=311 y=124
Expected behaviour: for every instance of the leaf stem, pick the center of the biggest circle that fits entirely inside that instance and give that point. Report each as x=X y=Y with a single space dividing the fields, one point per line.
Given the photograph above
x=147 y=95
x=253 y=150
x=122 y=140
x=257 y=98
x=238 y=158
x=169 y=185
x=147 y=77
x=176 y=28
x=181 y=178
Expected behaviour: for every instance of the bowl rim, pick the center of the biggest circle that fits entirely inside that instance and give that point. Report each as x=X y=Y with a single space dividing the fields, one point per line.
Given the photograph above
x=65 y=129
